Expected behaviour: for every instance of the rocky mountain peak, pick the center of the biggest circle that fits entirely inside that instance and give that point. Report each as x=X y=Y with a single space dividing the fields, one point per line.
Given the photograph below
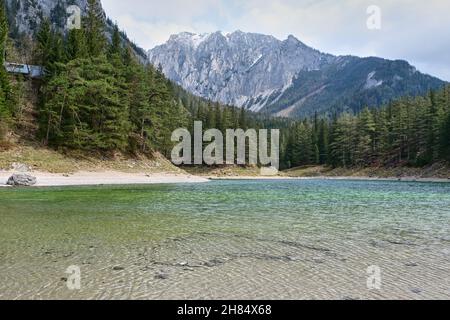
x=283 y=77
x=237 y=67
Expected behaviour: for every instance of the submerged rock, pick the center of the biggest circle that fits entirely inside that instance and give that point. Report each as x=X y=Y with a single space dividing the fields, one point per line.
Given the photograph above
x=161 y=276
x=411 y=264
x=188 y=269
x=118 y=268
x=21 y=179
x=213 y=263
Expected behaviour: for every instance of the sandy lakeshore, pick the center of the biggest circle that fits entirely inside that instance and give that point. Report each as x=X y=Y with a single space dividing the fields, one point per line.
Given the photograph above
x=81 y=178
x=45 y=179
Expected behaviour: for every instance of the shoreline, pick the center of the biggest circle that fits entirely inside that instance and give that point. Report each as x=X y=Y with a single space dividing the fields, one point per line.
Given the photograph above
x=99 y=178
x=362 y=178
x=87 y=178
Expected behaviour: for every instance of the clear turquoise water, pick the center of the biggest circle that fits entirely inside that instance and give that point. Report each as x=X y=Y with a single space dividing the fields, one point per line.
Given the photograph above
x=286 y=239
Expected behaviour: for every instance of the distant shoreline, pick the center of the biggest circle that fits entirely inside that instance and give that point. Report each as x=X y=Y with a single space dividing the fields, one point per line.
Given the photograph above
x=52 y=168
x=362 y=178
x=86 y=178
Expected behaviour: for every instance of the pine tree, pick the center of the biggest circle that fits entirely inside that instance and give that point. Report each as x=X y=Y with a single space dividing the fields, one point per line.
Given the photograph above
x=343 y=140
x=332 y=160
x=76 y=46
x=365 y=138
x=44 y=43
x=322 y=142
x=115 y=47
x=381 y=137
x=446 y=138
x=94 y=26
x=142 y=114
x=399 y=131
x=50 y=48
x=422 y=128
x=438 y=122
x=243 y=119
x=303 y=151
x=3 y=31
x=5 y=109
x=218 y=117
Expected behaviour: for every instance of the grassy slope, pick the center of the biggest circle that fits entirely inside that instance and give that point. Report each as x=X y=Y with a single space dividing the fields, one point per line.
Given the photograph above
x=223 y=171
x=47 y=160
x=438 y=170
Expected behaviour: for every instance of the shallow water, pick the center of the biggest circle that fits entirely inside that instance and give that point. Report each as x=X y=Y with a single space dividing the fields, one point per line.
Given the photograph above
x=292 y=239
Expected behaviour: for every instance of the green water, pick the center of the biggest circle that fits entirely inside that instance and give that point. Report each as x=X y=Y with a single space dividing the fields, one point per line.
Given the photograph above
x=287 y=239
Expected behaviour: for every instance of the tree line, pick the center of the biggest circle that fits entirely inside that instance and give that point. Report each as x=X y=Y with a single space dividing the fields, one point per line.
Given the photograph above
x=413 y=131
x=6 y=101
x=409 y=131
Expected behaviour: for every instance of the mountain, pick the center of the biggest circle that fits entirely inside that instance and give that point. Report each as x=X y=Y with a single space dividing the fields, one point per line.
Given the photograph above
x=25 y=17
x=284 y=78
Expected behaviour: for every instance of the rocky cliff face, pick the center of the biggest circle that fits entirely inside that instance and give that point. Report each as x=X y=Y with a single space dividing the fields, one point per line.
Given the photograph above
x=286 y=78
x=235 y=68
x=25 y=16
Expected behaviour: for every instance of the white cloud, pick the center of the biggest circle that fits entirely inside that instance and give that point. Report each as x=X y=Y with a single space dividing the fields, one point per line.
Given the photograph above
x=414 y=30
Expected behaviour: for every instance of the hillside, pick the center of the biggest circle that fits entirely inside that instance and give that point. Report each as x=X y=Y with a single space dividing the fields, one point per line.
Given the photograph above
x=97 y=100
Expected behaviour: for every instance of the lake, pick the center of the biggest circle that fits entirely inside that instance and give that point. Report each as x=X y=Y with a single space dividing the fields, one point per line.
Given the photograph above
x=280 y=239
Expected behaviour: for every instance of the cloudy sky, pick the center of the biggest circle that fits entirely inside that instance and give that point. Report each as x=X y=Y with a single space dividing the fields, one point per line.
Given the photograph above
x=414 y=30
